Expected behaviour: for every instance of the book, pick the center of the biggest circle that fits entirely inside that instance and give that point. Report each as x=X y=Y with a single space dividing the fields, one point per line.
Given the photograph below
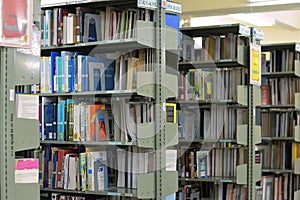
x=104 y=76
x=92 y=27
x=61 y=120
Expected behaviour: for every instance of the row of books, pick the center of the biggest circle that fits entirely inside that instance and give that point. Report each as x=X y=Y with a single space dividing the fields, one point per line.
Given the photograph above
x=279 y=124
x=68 y=71
x=214 y=47
x=68 y=120
x=278 y=154
x=279 y=186
x=93 y=170
x=280 y=91
x=82 y=24
x=281 y=60
x=211 y=84
x=226 y=191
x=216 y=122
x=206 y=163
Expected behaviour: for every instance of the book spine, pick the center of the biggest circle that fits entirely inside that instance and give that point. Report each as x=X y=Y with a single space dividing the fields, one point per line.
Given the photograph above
x=61 y=120
x=47 y=31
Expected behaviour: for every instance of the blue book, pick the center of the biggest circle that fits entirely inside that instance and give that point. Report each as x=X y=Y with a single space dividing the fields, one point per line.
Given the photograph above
x=55 y=158
x=48 y=121
x=66 y=56
x=61 y=120
x=84 y=74
x=53 y=56
x=47 y=157
x=60 y=74
x=71 y=75
x=54 y=121
x=101 y=73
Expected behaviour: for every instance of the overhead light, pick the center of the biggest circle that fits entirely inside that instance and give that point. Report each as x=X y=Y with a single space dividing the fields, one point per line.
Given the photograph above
x=256 y=19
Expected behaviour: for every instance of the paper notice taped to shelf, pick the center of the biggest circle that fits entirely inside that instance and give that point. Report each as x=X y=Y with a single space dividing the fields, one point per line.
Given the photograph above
x=27 y=106
x=171 y=160
x=27 y=170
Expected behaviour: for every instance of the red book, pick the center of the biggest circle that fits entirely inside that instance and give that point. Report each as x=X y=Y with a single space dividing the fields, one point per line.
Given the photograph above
x=266 y=95
x=95 y=125
x=61 y=154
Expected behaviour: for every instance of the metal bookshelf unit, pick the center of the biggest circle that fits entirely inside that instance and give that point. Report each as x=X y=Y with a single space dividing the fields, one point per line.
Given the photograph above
x=155 y=86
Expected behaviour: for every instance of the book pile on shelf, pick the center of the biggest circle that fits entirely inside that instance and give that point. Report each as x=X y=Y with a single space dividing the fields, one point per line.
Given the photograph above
x=204 y=163
x=280 y=60
x=279 y=186
x=68 y=71
x=93 y=170
x=279 y=123
x=278 y=155
x=213 y=48
x=211 y=83
x=280 y=90
x=71 y=120
x=215 y=122
x=81 y=24
x=212 y=191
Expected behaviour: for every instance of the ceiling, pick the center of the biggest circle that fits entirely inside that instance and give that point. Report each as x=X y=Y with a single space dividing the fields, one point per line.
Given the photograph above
x=285 y=16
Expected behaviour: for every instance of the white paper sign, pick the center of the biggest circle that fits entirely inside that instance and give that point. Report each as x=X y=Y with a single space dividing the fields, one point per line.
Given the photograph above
x=27 y=106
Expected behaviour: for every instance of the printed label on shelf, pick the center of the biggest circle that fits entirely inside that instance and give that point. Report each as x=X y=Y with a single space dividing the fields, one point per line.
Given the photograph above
x=174 y=7
x=255 y=64
x=152 y=4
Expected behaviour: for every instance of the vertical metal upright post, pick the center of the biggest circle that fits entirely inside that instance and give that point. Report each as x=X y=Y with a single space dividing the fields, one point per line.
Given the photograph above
x=251 y=145
x=160 y=140
x=7 y=152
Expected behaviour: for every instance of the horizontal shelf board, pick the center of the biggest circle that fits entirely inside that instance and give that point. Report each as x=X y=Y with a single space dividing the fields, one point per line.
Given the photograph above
x=184 y=66
x=207 y=140
x=277 y=138
x=277 y=171
x=205 y=31
x=107 y=46
x=278 y=46
x=209 y=179
x=110 y=192
x=276 y=106
x=229 y=101
x=107 y=143
x=88 y=3
x=91 y=93
x=278 y=74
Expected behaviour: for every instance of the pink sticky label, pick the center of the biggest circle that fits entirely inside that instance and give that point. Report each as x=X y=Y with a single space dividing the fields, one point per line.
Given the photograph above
x=22 y=164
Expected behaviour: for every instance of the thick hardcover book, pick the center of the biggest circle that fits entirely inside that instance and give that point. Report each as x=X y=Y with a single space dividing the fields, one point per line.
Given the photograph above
x=92 y=31
x=54 y=72
x=80 y=15
x=100 y=72
x=61 y=120
x=48 y=121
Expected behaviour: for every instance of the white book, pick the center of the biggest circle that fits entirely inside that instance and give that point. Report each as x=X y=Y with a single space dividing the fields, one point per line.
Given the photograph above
x=91 y=158
x=72 y=176
x=71 y=23
x=65 y=26
x=55 y=23
x=76 y=133
x=135 y=166
x=121 y=167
